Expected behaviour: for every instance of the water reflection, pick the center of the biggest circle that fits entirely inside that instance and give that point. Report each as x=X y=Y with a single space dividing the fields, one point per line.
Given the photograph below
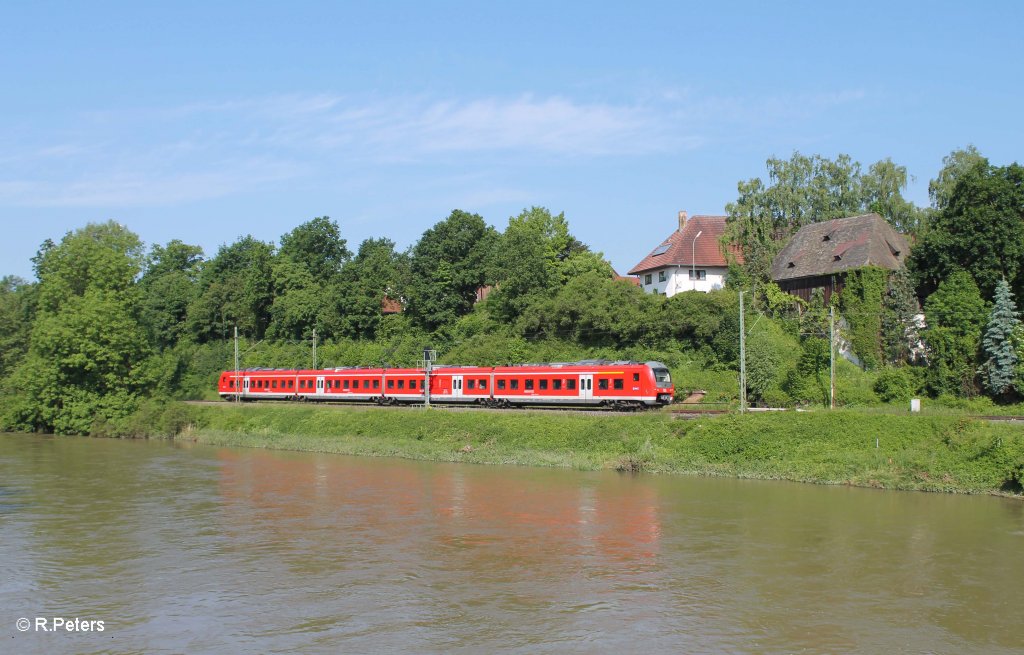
x=192 y=549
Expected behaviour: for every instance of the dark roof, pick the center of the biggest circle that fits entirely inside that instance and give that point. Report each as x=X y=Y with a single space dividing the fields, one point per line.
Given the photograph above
x=676 y=250
x=840 y=245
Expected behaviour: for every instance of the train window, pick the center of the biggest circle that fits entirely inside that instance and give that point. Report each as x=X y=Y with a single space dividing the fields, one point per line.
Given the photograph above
x=391 y=384
x=570 y=385
x=274 y=384
x=529 y=384
x=412 y=384
x=345 y=384
x=471 y=384
x=515 y=385
x=483 y=384
x=291 y=384
x=602 y=384
x=501 y=385
x=543 y=385
x=636 y=377
x=401 y=384
x=366 y=384
x=557 y=385
x=376 y=384
x=302 y=384
x=617 y=384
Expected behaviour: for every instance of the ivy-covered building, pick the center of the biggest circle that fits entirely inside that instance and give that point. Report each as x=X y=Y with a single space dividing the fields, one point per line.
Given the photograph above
x=820 y=255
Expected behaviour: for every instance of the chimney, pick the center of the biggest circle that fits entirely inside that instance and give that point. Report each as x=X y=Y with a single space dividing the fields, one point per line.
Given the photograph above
x=682 y=220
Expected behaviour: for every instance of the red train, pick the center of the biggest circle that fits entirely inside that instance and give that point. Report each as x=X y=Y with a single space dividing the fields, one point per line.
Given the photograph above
x=621 y=385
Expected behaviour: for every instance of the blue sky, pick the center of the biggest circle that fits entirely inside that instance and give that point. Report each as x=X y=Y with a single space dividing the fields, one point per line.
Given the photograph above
x=207 y=121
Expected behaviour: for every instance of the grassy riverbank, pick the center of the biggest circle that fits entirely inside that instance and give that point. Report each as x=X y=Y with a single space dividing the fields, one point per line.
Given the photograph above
x=933 y=453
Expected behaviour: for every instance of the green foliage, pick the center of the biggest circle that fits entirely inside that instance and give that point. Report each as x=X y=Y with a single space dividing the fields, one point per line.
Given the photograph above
x=955 y=314
x=900 y=331
x=317 y=247
x=168 y=286
x=861 y=304
x=999 y=370
x=769 y=358
x=17 y=313
x=88 y=356
x=894 y=385
x=237 y=289
x=978 y=226
x=448 y=264
x=376 y=272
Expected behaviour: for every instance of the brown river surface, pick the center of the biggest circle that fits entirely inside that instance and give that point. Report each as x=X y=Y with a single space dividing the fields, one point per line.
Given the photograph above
x=188 y=549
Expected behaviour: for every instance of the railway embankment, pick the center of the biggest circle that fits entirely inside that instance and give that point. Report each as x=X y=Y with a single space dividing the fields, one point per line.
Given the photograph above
x=945 y=453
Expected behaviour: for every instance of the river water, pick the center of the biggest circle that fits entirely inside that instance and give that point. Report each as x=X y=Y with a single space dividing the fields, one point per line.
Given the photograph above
x=188 y=549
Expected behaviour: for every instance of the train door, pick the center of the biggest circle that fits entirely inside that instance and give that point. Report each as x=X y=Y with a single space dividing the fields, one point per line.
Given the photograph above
x=586 y=387
x=245 y=386
x=319 y=385
x=456 y=386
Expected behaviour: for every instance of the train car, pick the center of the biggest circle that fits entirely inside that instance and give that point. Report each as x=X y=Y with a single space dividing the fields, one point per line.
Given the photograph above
x=620 y=385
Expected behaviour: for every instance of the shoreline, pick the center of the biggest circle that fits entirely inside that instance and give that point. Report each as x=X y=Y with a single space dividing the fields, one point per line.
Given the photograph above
x=942 y=453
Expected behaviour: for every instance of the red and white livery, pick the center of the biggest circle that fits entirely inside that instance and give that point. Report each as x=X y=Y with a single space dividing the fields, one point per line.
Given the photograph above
x=620 y=385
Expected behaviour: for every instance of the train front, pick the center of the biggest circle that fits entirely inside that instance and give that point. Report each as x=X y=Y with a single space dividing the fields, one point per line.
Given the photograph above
x=663 y=386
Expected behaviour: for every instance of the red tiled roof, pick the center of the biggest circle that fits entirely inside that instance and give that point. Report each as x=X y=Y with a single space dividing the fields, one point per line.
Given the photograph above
x=632 y=279
x=680 y=244
x=390 y=306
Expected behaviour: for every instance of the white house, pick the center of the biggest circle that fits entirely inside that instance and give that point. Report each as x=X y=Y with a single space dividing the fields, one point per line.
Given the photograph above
x=690 y=259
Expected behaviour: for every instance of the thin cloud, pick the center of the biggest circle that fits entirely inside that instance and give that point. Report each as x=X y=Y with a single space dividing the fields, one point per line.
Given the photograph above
x=159 y=156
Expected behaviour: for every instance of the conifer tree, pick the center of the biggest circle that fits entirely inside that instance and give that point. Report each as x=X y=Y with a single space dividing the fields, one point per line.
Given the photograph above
x=1000 y=368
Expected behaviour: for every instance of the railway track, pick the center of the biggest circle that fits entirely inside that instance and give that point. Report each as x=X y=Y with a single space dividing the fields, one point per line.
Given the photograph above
x=675 y=413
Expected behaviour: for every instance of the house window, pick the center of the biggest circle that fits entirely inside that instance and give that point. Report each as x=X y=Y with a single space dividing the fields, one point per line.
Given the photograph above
x=661 y=276
x=647 y=279
x=698 y=274
x=602 y=384
x=617 y=384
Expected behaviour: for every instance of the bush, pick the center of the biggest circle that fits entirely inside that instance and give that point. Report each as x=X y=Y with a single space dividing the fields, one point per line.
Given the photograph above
x=894 y=385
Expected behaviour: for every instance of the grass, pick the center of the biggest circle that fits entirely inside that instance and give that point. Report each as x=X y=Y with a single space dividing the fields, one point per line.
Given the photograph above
x=930 y=452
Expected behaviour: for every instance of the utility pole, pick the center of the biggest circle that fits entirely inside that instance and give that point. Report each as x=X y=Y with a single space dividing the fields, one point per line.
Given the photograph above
x=428 y=362
x=743 y=360
x=831 y=357
x=238 y=383
x=314 y=349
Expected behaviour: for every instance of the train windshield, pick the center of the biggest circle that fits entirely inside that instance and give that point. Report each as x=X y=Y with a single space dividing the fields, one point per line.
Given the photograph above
x=662 y=377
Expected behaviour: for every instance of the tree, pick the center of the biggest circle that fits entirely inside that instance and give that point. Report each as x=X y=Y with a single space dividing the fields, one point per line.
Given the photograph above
x=999 y=371
x=317 y=246
x=804 y=190
x=448 y=264
x=900 y=309
x=17 y=312
x=531 y=260
x=954 y=314
x=979 y=227
x=954 y=166
x=168 y=286
x=88 y=356
x=376 y=272
x=236 y=288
